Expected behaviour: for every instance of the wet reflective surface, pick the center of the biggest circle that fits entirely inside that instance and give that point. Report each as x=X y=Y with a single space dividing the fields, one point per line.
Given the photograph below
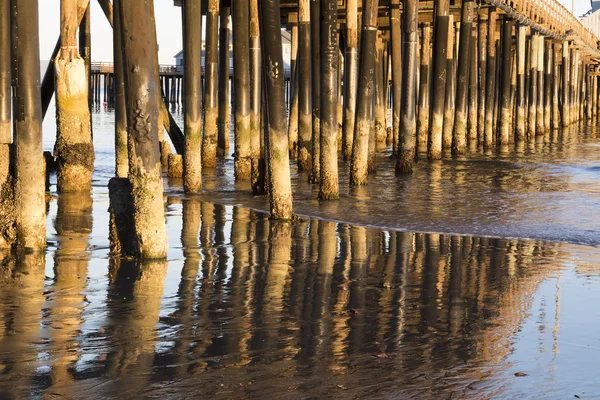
x=245 y=307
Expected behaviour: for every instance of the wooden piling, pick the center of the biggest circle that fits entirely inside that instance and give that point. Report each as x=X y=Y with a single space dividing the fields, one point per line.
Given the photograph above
x=364 y=99
x=539 y=111
x=459 y=140
x=192 y=39
x=473 y=90
x=566 y=86
x=547 y=84
x=73 y=150
x=293 y=123
x=280 y=187
x=304 y=88
x=328 y=181
x=380 y=103
x=224 y=110
x=138 y=42
x=396 y=48
x=440 y=48
x=256 y=74
x=533 y=82
x=408 y=124
x=5 y=95
x=521 y=99
x=211 y=86
x=240 y=12
x=490 y=79
x=29 y=165
x=121 y=157
x=556 y=55
x=424 y=110
x=482 y=62
x=450 y=97
x=315 y=15
x=505 y=103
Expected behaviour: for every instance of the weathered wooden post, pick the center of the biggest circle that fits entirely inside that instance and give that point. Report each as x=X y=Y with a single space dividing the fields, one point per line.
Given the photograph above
x=408 y=124
x=121 y=157
x=482 y=62
x=490 y=79
x=328 y=181
x=459 y=140
x=364 y=100
x=379 y=103
x=280 y=186
x=450 y=96
x=74 y=151
x=293 y=123
x=547 y=84
x=240 y=12
x=138 y=42
x=440 y=48
x=566 y=85
x=315 y=15
x=533 y=81
x=211 y=86
x=192 y=53
x=505 y=103
x=539 y=111
x=396 y=49
x=521 y=38
x=304 y=88
x=27 y=117
x=473 y=90
x=5 y=96
x=224 y=110
x=256 y=74
x=424 y=110
x=350 y=75
x=555 y=122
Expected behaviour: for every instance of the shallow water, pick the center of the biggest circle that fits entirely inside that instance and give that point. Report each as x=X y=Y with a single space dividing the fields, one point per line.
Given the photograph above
x=248 y=307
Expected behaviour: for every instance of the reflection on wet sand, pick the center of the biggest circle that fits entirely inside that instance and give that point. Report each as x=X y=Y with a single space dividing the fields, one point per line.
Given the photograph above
x=311 y=308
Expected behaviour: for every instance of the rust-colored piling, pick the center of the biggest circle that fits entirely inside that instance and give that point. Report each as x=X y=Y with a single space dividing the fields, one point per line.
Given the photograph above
x=224 y=106
x=350 y=77
x=211 y=86
x=505 y=103
x=424 y=110
x=304 y=88
x=192 y=38
x=29 y=163
x=240 y=12
x=280 y=187
x=74 y=151
x=408 y=124
x=547 y=84
x=533 y=82
x=364 y=100
x=459 y=140
x=490 y=91
x=293 y=123
x=138 y=42
x=379 y=103
x=328 y=182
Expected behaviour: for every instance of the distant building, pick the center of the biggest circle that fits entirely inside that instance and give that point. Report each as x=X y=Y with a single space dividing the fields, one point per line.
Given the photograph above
x=286 y=41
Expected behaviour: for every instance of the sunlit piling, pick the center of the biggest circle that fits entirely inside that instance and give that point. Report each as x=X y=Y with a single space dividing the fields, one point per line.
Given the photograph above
x=74 y=150
x=192 y=105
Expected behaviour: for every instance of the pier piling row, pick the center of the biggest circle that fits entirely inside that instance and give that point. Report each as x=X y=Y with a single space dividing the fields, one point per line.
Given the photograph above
x=462 y=76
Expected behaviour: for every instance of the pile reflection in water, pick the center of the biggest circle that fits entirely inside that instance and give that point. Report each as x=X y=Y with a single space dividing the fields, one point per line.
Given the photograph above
x=247 y=306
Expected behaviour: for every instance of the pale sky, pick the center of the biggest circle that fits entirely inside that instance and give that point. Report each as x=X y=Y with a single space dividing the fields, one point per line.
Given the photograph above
x=168 y=27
